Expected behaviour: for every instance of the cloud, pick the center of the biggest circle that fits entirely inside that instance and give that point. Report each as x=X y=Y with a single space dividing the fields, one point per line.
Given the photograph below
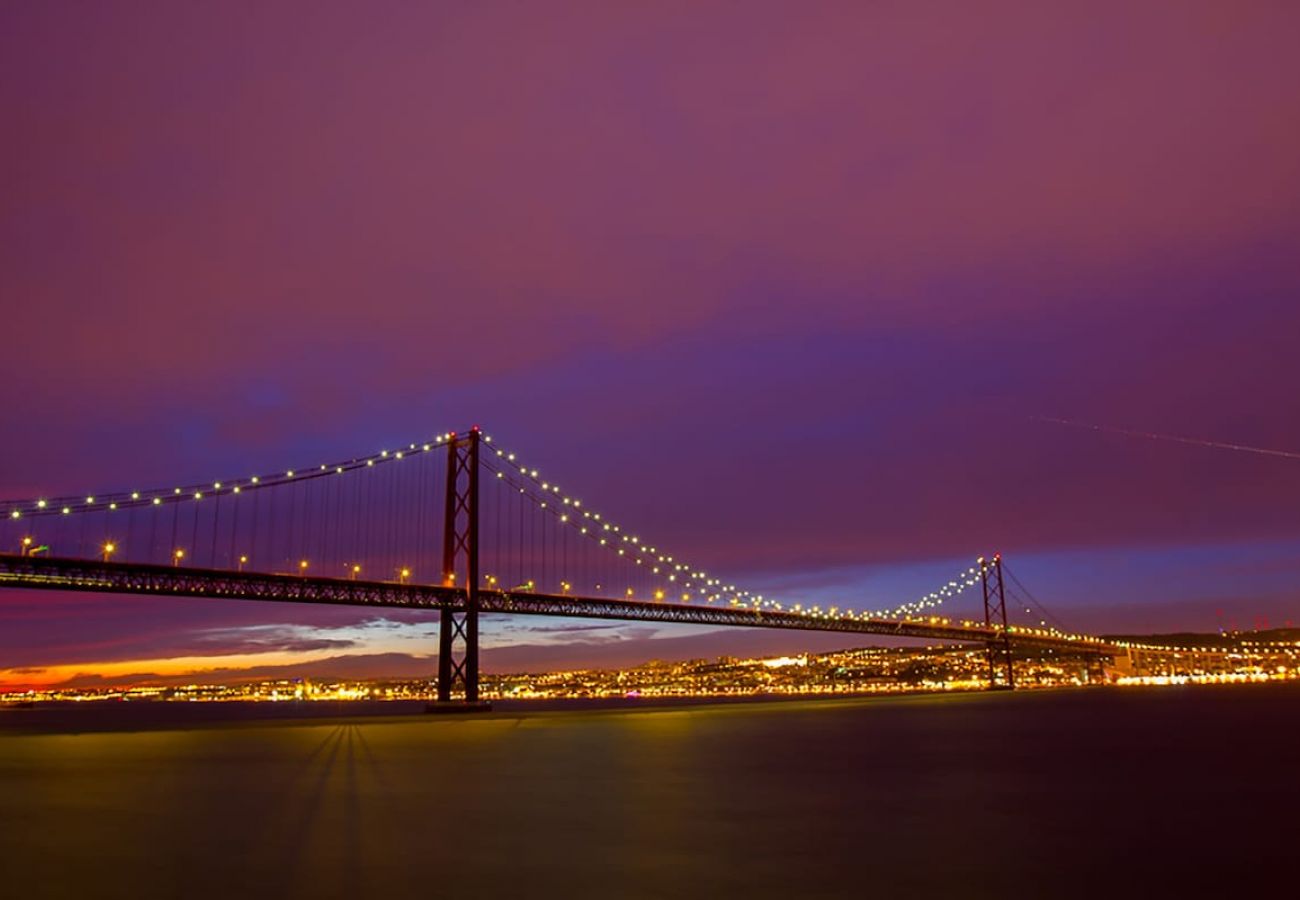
x=261 y=639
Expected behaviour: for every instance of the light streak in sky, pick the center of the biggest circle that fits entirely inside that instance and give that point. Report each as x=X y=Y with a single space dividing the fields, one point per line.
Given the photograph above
x=1156 y=436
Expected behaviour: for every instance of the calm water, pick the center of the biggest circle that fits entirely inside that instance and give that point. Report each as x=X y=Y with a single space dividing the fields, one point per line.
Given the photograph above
x=1100 y=792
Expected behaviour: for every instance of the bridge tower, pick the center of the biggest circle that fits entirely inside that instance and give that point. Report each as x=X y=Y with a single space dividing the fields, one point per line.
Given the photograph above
x=995 y=616
x=458 y=628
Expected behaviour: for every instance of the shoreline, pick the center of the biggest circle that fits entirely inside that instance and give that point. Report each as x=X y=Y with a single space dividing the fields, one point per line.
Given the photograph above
x=116 y=717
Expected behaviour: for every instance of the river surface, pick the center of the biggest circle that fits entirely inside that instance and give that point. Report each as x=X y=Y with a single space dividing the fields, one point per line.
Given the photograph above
x=1096 y=792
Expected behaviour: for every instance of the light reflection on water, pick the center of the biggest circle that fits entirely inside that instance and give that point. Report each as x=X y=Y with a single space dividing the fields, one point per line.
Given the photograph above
x=971 y=795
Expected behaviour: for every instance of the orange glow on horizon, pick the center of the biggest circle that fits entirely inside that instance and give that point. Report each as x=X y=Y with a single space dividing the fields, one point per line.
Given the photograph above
x=149 y=671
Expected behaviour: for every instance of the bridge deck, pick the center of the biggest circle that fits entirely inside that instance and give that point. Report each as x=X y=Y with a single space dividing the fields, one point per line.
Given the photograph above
x=178 y=581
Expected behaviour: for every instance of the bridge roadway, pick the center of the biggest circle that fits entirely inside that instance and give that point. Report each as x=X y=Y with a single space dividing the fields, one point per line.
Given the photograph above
x=180 y=581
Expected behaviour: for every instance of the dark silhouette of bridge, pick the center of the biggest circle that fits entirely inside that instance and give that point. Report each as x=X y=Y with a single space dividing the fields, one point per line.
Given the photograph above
x=497 y=538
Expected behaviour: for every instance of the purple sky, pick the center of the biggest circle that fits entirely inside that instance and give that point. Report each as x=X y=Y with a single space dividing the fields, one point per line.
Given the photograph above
x=784 y=284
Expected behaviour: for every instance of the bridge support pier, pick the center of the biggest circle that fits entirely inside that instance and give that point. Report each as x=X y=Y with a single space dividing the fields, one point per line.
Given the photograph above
x=458 y=629
x=995 y=616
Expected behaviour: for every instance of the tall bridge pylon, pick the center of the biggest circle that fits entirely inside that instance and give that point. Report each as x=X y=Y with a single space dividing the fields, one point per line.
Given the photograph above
x=995 y=620
x=458 y=628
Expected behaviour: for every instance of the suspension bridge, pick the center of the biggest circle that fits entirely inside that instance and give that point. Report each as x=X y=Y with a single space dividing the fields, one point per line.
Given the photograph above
x=454 y=524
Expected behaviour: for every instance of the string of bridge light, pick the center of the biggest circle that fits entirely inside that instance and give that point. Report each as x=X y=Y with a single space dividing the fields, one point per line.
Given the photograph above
x=113 y=501
x=934 y=599
x=596 y=527
x=602 y=532
x=615 y=539
x=569 y=511
x=599 y=529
